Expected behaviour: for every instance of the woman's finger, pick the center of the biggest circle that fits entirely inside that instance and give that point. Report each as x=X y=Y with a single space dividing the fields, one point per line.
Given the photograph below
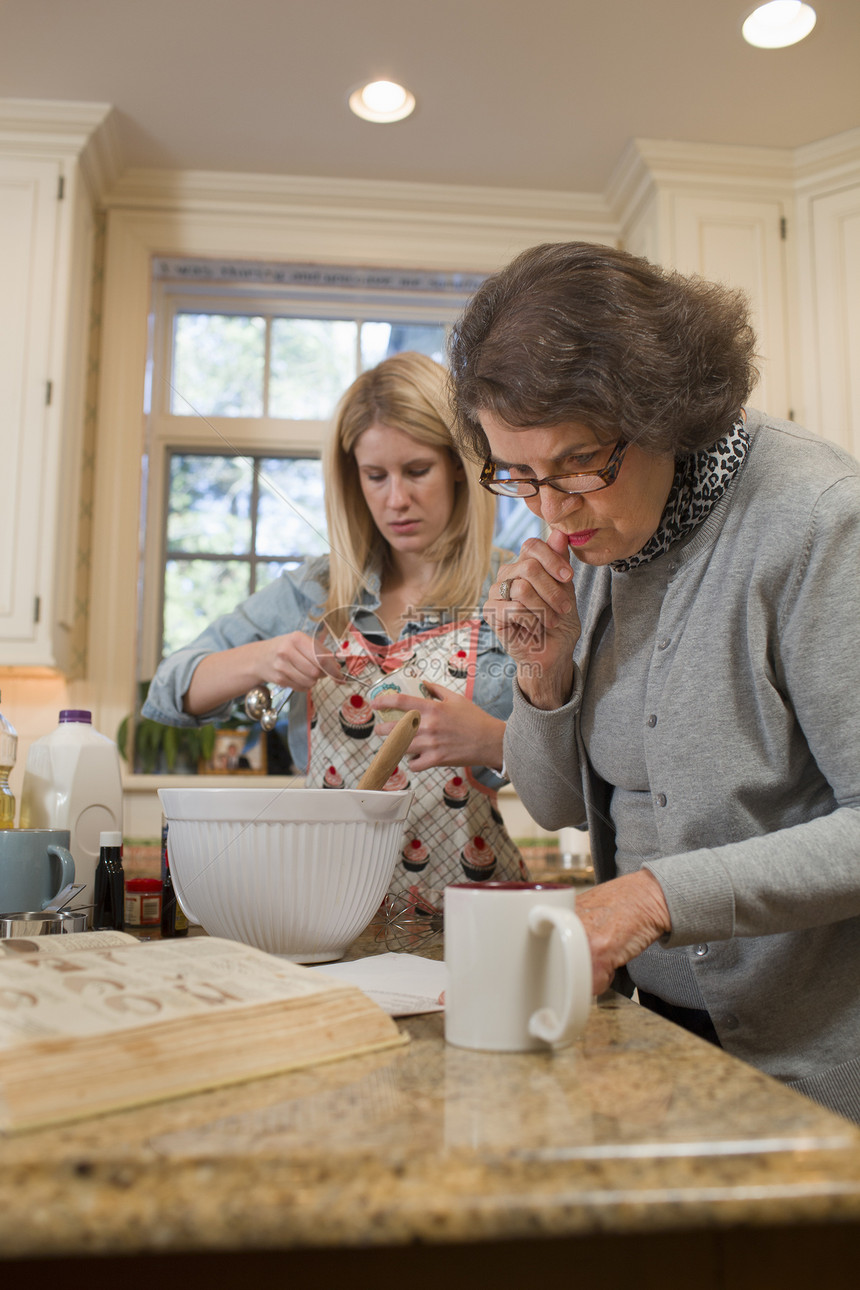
x=401 y=702
x=552 y=554
x=437 y=691
x=532 y=585
x=293 y=661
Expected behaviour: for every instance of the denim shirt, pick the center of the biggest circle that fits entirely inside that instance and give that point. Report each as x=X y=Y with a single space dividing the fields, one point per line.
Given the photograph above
x=295 y=602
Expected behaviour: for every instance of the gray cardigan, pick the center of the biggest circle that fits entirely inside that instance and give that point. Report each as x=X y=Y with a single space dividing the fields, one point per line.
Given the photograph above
x=752 y=743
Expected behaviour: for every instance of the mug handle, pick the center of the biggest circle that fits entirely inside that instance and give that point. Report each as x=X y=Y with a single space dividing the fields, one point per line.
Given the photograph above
x=67 y=870
x=559 y=1028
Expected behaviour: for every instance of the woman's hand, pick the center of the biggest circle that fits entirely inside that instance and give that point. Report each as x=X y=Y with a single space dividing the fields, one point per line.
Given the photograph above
x=537 y=623
x=453 y=731
x=283 y=661
x=621 y=918
x=292 y=660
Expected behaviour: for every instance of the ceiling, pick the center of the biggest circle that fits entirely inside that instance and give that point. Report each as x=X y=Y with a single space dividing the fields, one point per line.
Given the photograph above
x=539 y=94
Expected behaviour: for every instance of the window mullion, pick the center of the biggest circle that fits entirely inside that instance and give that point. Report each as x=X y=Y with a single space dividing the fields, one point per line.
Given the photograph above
x=255 y=500
x=165 y=514
x=267 y=365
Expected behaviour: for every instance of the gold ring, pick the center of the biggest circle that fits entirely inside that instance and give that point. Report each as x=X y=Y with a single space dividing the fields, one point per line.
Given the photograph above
x=505 y=589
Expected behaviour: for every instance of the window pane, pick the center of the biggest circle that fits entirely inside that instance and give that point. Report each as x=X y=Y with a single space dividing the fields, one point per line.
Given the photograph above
x=195 y=592
x=291 y=514
x=209 y=505
x=380 y=340
x=218 y=363
x=269 y=570
x=514 y=523
x=312 y=362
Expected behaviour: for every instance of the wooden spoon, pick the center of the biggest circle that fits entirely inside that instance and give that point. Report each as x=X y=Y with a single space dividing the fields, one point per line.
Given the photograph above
x=393 y=747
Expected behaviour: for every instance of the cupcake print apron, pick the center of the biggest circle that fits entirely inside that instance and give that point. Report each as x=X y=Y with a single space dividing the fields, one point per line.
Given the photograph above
x=454 y=832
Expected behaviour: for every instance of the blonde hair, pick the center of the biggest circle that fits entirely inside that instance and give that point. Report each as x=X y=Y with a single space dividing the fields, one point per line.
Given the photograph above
x=406 y=392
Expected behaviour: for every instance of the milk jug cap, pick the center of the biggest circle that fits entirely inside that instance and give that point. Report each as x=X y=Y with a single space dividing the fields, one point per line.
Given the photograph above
x=76 y=714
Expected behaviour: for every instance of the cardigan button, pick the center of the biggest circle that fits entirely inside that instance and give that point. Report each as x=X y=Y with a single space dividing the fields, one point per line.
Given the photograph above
x=664 y=643
x=700 y=951
x=652 y=720
x=661 y=799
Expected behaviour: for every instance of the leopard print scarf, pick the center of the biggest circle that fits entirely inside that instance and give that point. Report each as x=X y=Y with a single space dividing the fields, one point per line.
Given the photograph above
x=700 y=481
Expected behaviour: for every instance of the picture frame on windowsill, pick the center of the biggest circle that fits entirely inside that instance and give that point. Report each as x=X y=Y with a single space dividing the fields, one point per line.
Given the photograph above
x=238 y=751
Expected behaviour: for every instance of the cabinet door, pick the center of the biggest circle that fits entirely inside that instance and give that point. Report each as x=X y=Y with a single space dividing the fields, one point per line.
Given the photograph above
x=28 y=465
x=740 y=242
x=836 y=314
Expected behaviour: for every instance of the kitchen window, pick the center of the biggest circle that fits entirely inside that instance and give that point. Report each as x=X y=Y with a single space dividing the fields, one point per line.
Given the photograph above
x=233 y=524
x=246 y=366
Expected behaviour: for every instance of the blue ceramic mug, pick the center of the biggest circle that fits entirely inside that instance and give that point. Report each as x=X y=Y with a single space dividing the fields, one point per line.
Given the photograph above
x=35 y=864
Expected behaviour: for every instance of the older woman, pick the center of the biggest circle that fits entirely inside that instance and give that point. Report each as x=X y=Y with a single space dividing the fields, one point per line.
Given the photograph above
x=690 y=688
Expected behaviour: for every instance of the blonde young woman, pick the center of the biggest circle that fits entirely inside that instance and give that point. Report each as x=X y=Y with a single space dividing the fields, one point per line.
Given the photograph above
x=410 y=564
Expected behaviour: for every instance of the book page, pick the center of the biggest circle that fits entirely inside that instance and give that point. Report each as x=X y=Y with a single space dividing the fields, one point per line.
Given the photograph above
x=95 y=992
x=402 y=984
x=68 y=943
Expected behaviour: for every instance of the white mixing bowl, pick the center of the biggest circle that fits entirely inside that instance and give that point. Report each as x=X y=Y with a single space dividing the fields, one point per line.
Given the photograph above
x=295 y=871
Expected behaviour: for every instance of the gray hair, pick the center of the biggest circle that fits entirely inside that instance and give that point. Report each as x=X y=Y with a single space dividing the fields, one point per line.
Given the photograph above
x=576 y=332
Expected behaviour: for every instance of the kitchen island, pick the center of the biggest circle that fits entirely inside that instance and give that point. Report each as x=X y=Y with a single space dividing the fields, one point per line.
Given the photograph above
x=638 y=1150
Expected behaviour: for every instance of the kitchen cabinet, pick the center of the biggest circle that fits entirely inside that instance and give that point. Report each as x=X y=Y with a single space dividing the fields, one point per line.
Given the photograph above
x=742 y=243
x=831 y=315
x=725 y=214
x=784 y=226
x=47 y=226
x=28 y=199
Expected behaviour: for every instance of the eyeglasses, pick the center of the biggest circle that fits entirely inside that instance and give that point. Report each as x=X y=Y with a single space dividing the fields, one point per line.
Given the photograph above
x=582 y=481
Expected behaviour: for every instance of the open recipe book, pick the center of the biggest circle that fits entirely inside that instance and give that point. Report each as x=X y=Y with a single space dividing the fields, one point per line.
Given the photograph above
x=99 y=1021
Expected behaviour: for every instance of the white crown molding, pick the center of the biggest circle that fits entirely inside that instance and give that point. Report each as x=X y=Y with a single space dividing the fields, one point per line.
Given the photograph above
x=388 y=201
x=630 y=184
x=54 y=128
x=54 y=123
x=101 y=159
x=830 y=162
x=89 y=131
x=647 y=164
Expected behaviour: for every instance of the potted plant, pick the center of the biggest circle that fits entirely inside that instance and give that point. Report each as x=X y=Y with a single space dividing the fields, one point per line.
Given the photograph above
x=152 y=748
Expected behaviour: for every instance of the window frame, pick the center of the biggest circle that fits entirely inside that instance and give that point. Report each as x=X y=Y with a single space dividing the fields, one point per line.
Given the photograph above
x=252 y=558
x=167 y=432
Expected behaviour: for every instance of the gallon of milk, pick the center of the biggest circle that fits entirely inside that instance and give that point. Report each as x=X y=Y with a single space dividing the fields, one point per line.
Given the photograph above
x=72 y=781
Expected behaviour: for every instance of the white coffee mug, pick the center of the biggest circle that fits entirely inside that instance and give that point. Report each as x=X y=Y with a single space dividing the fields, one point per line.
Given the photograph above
x=518 y=966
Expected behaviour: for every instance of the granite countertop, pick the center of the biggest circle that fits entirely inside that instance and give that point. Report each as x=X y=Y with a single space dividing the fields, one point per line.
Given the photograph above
x=638 y=1127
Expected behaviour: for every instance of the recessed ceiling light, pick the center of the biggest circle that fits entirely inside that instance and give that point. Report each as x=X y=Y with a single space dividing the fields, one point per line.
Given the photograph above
x=779 y=23
x=382 y=101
